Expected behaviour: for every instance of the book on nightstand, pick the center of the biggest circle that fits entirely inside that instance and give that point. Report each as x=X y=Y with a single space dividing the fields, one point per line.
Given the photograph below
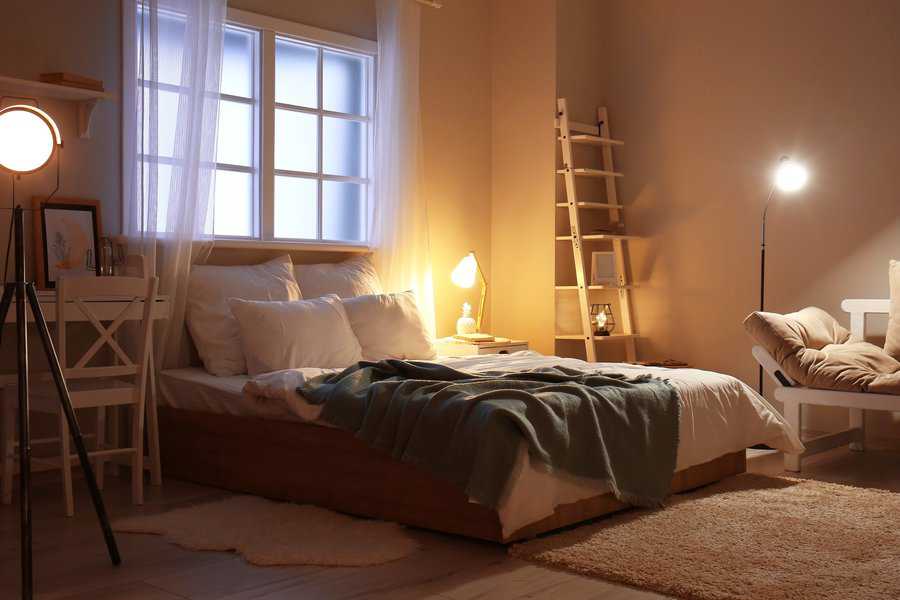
x=451 y=346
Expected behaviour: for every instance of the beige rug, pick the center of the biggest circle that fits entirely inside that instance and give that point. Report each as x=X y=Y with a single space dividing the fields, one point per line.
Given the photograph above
x=277 y=533
x=748 y=537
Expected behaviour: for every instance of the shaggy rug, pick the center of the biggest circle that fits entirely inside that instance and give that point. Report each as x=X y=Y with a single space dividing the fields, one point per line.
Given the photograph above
x=270 y=533
x=748 y=536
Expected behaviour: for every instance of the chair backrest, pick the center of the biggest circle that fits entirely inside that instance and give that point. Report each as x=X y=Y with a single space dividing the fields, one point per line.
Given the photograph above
x=106 y=303
x=858 y=308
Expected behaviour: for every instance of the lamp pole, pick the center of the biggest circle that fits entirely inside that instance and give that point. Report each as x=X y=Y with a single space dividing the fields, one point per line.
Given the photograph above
x=762 y=272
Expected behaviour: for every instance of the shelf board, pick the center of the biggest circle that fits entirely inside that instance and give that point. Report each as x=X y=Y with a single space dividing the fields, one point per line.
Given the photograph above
x=591 y=205
x=598 y=236
x=85 y=100
x=592 y=140
x=590 y=173
x=596 y=287
x=597 y=338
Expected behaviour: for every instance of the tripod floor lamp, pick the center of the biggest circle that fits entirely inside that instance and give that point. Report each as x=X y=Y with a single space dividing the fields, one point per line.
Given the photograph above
x=790 y=176
x=28 y=140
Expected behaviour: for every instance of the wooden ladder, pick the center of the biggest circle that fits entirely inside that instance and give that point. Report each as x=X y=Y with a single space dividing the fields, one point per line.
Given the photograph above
x=594 y=135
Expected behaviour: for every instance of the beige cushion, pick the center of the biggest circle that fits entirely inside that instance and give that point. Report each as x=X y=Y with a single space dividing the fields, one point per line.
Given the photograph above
x=209 y=320
x=390 y=326
x=892 y=339
x=353 y=277
x=292 y=335
x=816 y=351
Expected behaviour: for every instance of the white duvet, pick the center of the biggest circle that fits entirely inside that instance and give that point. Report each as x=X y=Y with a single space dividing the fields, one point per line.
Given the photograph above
x=719 y=415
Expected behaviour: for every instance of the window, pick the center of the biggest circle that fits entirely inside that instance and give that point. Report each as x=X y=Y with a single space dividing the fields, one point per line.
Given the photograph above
x=295 y=135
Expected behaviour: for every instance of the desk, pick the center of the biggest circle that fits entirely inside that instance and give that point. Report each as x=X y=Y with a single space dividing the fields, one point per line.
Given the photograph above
x=105 y=309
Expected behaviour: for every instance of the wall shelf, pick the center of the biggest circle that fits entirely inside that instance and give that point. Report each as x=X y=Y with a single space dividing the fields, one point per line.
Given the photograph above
x=85 y=100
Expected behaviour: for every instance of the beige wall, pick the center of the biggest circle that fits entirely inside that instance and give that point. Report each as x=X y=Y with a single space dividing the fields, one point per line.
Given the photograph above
x=523 y=58
x=353 y=17
x=707 y=95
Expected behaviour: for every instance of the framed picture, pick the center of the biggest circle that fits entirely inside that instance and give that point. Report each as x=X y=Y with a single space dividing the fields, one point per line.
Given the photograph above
x=603 y=269
x=66 y=238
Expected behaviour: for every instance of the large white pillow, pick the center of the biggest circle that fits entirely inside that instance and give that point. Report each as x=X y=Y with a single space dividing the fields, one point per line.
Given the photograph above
x=353 y=277
x=291 y=335
x=389 y=326
x=209 y=320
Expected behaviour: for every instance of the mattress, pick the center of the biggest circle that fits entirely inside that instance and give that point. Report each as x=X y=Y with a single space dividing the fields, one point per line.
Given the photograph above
x=719 y=415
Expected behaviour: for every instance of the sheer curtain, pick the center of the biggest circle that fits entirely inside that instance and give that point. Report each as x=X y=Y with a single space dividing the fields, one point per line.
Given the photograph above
x=399 y=223
x=172 y=67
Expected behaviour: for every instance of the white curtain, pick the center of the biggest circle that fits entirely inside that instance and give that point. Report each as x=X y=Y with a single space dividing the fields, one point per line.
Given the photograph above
x=172 y=67
x=399 y=223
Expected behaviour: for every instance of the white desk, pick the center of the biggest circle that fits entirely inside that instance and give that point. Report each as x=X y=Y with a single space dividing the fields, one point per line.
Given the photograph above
x=105 y=310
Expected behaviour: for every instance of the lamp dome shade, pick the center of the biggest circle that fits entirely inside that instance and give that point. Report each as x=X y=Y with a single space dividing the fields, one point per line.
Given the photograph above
x=465 y=272
x=790 y=176
x=28 y=138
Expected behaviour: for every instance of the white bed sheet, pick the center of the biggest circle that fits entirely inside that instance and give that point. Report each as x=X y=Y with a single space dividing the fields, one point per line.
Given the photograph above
x=719 y=415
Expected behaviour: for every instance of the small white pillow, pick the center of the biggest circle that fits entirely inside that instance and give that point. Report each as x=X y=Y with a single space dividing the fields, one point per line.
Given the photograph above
x=291 y=335
x=209 y=320
x=353 y=277
x=389 y=326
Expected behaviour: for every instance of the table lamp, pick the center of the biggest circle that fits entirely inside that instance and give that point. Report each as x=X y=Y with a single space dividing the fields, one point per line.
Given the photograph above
x=789 y=177
x=28 y=140
x=464 y=275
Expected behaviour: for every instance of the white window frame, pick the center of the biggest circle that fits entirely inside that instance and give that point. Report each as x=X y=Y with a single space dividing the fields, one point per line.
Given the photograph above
x=269 y=28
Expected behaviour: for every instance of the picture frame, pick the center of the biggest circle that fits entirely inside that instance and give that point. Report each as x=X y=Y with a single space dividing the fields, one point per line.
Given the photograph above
x=66 y=238
x=603 y=269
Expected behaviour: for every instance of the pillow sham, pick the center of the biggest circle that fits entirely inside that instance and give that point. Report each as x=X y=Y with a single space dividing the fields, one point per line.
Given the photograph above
x=389 y=326
x=290 y=335
x=353 y=277
x=892 y=338
x=209 y=319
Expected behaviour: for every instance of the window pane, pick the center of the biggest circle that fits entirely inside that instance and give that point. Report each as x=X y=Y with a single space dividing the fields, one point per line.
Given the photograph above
x=296 y=141
x=170 y=37
x=295 y=74
x=165 y=126
x=343 y=210
x=343 y=147
x=163 y=174
x=234 y=145
x=295 y=208
x=237 y=62
x=234 y=204
x=344 y=83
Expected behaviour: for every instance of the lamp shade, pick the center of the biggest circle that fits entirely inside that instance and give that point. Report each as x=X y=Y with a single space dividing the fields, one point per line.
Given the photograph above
x=790 y=176
x=28 y=138
x=466 y=272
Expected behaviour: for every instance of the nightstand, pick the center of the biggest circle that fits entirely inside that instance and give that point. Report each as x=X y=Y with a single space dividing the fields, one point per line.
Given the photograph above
x=452 y=347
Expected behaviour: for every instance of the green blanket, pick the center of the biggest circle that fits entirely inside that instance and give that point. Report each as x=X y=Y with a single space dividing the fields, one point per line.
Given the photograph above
x=467 y=427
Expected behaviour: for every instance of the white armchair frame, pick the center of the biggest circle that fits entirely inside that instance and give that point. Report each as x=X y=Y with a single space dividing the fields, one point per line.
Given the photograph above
x=795 y=397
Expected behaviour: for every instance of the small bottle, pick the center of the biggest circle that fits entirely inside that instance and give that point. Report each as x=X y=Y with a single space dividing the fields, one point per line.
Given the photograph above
x=465 y=324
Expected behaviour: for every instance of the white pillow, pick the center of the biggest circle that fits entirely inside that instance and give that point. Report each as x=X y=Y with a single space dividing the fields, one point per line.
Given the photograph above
x=291 y=335
x=353 y=277
x=209 y=320
x=389 y=326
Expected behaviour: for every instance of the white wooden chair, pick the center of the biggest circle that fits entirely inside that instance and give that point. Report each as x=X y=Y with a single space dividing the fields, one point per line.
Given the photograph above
x=99 y=300
x=795 y=397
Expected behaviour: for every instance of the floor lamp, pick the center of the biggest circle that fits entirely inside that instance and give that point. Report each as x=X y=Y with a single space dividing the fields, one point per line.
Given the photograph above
x=790 y=176
x=28 y=140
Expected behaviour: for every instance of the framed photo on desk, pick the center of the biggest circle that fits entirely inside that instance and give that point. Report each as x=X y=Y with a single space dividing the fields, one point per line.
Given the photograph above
x=66 y=238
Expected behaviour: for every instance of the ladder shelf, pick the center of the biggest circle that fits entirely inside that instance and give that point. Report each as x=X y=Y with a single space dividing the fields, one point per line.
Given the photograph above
x=569 y=133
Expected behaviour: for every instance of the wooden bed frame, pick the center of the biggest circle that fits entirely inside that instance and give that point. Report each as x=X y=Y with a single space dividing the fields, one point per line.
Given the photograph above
x=300 y=462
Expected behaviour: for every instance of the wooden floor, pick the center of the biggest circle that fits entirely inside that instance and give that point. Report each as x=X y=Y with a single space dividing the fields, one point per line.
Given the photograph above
x=70 y=561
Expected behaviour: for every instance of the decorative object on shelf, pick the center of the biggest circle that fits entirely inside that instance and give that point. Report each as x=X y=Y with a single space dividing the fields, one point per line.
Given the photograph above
x=602 y=318
x=67 y=238
x=789 y=177
x=603 y=269
x=465 y=324
x=465 y=274
x=28 y=140
x=72 y=80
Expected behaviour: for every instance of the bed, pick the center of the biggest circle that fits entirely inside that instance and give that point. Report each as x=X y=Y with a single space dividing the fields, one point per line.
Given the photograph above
x=211 y=433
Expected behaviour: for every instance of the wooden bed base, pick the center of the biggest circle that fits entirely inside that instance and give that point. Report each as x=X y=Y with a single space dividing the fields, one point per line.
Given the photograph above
x=287 y=460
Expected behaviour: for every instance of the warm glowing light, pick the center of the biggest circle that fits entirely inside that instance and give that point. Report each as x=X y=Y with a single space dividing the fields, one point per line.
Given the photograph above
x=28 y=137
x=790 y=176
x=466 y=271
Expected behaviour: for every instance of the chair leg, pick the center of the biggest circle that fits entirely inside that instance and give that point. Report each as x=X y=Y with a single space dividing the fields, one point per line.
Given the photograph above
x=113 y=416
x=99 y=461
x=153 y=433
x=858 y=421
x=7 y=447
x=137 y=460
x=65 y=464
x=792 y=414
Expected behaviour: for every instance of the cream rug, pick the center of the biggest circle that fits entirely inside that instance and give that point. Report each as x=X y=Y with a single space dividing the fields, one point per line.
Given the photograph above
x=748 y=537
x=270 y=533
